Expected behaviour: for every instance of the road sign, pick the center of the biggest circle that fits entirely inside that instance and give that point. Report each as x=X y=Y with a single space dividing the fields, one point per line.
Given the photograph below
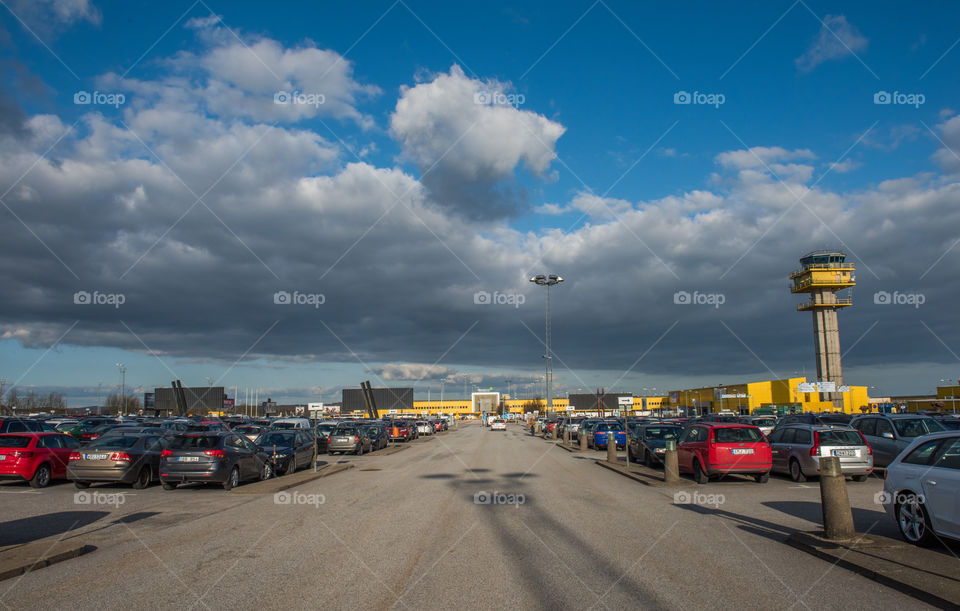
x=843 y=389
x=624 y=400
x=827 y=386
x=807 y=387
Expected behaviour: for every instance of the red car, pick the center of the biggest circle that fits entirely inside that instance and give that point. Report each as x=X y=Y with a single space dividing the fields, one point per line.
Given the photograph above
x=710 y=449
x=402 y=430
x=37 y=458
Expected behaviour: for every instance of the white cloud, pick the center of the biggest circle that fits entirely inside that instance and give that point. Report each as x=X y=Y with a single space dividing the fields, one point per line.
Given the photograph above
x=758 y=156
x=413 y=371
x=842 y=167
x=948 y=155
x=836 y=39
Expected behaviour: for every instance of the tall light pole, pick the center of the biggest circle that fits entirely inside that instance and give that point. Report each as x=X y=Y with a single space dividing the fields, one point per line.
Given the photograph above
x=123 y=382
x=548 y=281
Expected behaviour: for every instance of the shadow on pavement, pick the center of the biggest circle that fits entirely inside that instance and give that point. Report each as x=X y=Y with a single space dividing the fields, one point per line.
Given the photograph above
x=25 y=530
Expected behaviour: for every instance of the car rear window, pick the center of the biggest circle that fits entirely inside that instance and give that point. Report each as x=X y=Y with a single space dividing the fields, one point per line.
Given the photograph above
x=14 y=441
x=665 y=432
x=345 y=430
x=840 y=438
x=190 y=442
x=736 y=434
x=115 y=442
x=915 y=427
x=275 y=439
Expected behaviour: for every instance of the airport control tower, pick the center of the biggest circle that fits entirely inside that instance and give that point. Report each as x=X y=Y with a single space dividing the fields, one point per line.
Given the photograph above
x=822 y=273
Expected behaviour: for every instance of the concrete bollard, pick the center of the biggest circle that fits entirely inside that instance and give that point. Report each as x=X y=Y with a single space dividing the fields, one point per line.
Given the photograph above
x=583 y=441
x=671 y=468
x=611 y=447
x=834 y=502
x=566 y=436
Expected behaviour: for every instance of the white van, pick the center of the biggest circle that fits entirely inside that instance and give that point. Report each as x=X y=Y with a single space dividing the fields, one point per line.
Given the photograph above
x=291 y=423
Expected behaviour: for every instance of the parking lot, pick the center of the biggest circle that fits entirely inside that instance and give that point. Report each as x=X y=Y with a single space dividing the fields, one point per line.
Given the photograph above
x=507 y=518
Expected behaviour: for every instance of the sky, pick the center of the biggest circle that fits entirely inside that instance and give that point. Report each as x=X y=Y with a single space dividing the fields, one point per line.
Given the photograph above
x=297 y=199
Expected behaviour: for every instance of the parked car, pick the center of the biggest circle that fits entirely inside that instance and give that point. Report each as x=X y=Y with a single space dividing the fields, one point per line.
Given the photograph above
x=291 y=423
x=224 y=458
x=85 y=437
x=648 y=442
x=890 y=434
x=250 y=431
x=286 y=450
x=586 y=427
x=128 y=455
x=24 y=425
x=712 y=449
x=348 y=438
x=498 y=424
x=37 y=458
x=322 y=432
x=424 y=428
x=597 y=438
x=766 y=424
x=922 y=486
x=402 y=430
x=798 y=448
x=377 y=434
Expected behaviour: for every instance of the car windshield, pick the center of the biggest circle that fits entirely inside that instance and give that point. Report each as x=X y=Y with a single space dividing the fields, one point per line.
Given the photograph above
x=14 y=441
x=244 y=430
x=284 y=425
x=115 y=442
x=840 y=438
x=662 y=432
x=736 y=434
x=275 y=439
x=191 y=442
x=607 y=426
x=914 y=427
x=326 y=428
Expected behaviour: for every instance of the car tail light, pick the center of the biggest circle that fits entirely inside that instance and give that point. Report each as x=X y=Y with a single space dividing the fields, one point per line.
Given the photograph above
x=74 y=456
x=869 y=449
x=815 y=449
x=356 y=439
x=21 y=453
x=166 y=453
x=215 y=453
x=120 y=457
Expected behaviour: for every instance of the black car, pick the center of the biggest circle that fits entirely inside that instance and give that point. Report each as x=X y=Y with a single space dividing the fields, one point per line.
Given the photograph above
x=223 y=458
x=648 y=442
x=25 y=425
x=129 y=455
x=378 y=436
x=287 y=450
x=814 y=419
x=323 y=431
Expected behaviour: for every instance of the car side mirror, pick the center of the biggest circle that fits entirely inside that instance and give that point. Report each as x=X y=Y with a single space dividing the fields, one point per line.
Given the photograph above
x=888 y=435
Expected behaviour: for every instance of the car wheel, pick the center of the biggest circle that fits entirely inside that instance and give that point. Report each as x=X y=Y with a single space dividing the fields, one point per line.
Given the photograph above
x=82 y=485
x=169 y=486
x=859 y=478
x=41 y=478
x=143 y=479
x=796 y=473
x=762 y=478
x=233 y=480
x=359 y=451
x=699 y=475
x=914 y=521
x=291 y=466
x=266 y=472
x=648 y=460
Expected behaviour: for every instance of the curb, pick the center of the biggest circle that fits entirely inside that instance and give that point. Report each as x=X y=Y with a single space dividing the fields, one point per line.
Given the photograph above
x=646 y=480
x=285 y=482
x=39 y=554
x=839 y=554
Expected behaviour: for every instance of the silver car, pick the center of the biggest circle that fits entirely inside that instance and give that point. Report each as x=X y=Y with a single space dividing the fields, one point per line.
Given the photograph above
x=798 y=448
x=889 y=434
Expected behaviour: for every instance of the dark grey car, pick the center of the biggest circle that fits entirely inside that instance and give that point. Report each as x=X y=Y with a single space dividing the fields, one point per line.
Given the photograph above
x=223 y=458
x=648 y=442
x=889 y=434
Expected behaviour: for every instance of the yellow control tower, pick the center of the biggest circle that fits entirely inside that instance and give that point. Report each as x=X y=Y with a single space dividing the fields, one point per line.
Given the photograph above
x=822 y=273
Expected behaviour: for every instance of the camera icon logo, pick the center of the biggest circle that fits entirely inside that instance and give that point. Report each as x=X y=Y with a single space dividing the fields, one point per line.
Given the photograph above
x=882 y=498
x=681 y=97
x=81 y=298
x=82 y=498
x=881 y=298
x=282 y=498
x=682 y=498
x=482 y=97
x=81 y=97
x=482 y=498
x=881 y=97
x=281 y=298
x=681 y=297
x=481 y=298
x=281 y=97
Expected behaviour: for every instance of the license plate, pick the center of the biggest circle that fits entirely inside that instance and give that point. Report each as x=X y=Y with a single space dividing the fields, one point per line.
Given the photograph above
x=3 y=457
x=343 y=439
x=188 y=458
x=845 y=453
x=95 y=456
x=743 y=451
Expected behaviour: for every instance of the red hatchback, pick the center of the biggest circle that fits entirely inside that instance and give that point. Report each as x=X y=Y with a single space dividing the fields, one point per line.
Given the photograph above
x=709 y=449
x=37 y=458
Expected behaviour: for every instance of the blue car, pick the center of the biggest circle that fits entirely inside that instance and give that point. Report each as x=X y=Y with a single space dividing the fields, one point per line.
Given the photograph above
x=600 y=433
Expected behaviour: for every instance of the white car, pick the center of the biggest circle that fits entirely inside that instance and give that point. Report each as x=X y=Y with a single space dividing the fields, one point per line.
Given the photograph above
x=498 y=424
x=922 y=486
x=425 y=428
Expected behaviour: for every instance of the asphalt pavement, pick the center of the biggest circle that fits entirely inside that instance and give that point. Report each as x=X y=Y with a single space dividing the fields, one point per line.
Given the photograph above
x=472 y=518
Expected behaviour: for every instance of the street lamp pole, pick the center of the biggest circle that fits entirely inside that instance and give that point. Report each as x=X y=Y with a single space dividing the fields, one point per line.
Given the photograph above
x=123 y=382
x=548 y=281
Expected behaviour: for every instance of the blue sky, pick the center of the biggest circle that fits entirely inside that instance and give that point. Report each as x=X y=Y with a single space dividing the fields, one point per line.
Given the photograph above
x=795 y=81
